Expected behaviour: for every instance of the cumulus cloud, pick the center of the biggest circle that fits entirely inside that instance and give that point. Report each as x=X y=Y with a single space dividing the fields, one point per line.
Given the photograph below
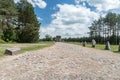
x=39 y=18
x=102 y=5
x=39 y=3
x=70 y=21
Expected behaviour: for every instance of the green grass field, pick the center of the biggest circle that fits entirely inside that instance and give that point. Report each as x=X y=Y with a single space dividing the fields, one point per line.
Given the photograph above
x=114 y=48
x=24 y=46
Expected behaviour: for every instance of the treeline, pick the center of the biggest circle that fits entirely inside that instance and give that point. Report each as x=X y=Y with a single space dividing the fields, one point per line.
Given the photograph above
x=48 y=38
x=98 y=39
x=106 y=28
x=102 y=30
x=76 y=39
x=18 y=22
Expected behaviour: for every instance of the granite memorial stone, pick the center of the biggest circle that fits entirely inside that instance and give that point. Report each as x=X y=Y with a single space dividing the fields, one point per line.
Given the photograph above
x=107 y=47
x=93 y=43
x=84 y=44
x=12 y=51
x=119 y=47
x=58 y=38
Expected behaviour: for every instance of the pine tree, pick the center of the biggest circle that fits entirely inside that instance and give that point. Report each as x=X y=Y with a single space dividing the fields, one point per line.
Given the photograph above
x=28 y=31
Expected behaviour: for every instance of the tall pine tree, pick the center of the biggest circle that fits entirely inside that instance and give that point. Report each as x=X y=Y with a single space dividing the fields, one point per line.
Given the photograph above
x=28 y=29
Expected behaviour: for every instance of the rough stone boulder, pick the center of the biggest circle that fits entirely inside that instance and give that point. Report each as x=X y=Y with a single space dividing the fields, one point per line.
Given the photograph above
x=12 y=51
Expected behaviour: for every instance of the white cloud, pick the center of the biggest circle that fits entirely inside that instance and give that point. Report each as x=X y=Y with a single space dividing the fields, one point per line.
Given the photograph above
x=16 y=1
x=39 y=3
x=70 y=20
x=102 y=5
x=39 y=18
x=117 y=10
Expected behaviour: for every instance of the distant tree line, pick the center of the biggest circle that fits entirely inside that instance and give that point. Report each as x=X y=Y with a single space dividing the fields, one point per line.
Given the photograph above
x=102 y=30
x=48 y=38
x=106 y=28
x=18 y=22
x=79 y=39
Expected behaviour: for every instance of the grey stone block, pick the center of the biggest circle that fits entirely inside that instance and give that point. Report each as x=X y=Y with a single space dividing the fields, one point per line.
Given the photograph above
x=12 y=51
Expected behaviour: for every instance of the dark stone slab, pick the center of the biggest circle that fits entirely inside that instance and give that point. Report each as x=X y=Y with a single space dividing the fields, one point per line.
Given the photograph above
x=12 y=51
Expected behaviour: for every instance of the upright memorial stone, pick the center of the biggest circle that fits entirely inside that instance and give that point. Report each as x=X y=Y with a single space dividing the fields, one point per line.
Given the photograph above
x=107 y=47
x=58 y=38
x=84 y=44
x=119 y=47
x=93 y=43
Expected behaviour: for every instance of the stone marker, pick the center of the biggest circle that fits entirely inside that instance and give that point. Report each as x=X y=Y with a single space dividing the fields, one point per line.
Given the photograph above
x=93 y=43
x=84 y=44
x=58 y=38
x=119 y=47
x=107 y=47
x=12 y=51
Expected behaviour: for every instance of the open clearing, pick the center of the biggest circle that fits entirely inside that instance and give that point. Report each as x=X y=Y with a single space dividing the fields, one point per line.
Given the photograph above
x=62 y=62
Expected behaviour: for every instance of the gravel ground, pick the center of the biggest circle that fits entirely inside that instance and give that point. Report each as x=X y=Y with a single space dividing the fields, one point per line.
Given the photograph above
x=62 y=62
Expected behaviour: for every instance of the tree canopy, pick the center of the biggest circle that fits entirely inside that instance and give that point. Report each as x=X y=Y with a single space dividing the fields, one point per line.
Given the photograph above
x=18 y=22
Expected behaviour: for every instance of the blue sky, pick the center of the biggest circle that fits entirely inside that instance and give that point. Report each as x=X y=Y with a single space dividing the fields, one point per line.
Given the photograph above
x=45 y=14
x=70 y=18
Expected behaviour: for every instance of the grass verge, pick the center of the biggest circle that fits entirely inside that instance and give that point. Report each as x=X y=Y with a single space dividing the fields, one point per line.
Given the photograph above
x=24 y=46
x=36 y=47
x=114 y=48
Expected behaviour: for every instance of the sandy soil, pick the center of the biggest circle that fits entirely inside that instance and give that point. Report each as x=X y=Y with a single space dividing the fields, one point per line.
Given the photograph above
x=62 y=62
